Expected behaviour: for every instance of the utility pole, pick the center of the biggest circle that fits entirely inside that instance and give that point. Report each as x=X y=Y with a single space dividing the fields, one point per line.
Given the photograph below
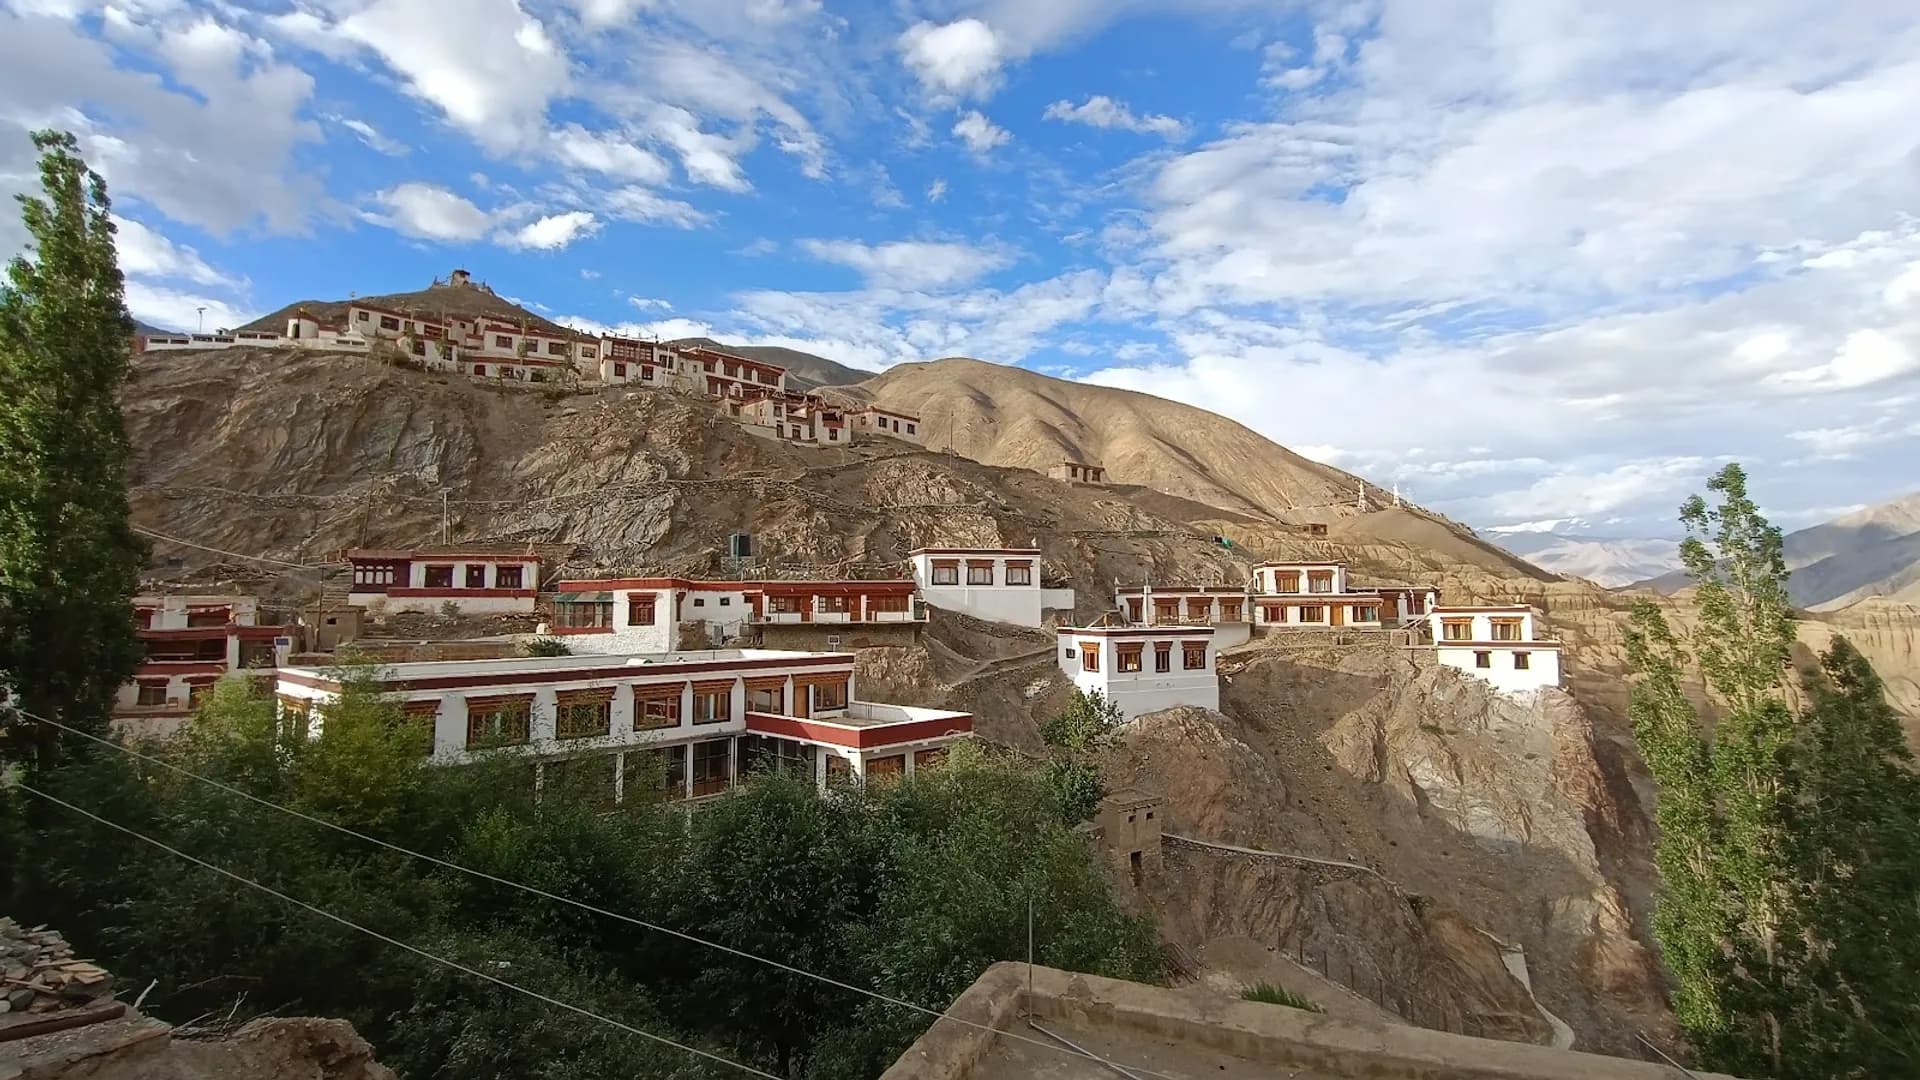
x=202 y=313
x=444 y=518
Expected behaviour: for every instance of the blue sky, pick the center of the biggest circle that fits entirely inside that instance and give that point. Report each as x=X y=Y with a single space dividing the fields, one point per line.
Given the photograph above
x=1534 y=261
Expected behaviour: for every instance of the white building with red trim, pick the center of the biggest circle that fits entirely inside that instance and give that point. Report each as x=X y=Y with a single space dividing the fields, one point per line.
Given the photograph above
x=892 y=423
x=1142 y=669
x=701 y=720
x=477 y=580
x=631 y=615
x=997 y=584
x=1317 y=594
x=1227 y=609
x=191 y=643
x=1496 y=644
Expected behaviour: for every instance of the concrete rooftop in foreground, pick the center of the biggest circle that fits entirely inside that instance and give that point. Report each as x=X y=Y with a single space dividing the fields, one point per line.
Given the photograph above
x=1152 y=1030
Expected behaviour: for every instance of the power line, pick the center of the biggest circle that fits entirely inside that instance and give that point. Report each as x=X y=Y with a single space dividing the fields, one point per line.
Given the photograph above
x=557 y=898
x=231 y=554
x=377 y=935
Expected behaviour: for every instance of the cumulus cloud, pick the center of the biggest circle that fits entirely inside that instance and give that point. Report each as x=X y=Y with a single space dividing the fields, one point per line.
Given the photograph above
x=979 y=133
x=911 y=264
x=429 y=212
x=552 y=232
x=145 y=253
x=958 y=59
x=177 y=309
x=1103 y=112
x=369 y=135
x=609 y=155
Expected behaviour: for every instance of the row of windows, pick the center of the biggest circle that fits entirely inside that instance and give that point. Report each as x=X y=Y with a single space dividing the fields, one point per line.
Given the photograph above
x=981 y=573
x=1462 y=629
x=1317 y=613
x=1521 y=661
x=1288 y=581
x=1130 y=658
x=509 y=722
x=475 y=577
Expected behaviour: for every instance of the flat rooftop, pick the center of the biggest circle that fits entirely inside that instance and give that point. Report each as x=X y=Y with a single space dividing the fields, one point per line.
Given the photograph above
x=601 y=665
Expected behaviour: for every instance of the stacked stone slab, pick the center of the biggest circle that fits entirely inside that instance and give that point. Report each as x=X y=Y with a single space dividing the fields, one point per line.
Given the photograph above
x=39 y=974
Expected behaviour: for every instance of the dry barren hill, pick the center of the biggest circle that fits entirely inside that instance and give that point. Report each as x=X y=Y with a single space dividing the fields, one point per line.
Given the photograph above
x=435 y=301
x=1010 y=416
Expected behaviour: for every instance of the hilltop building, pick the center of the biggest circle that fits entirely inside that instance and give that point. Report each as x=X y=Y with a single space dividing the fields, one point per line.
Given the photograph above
x=1228 y=610
x=191 y=643
x=477 y=579
x=997 y=584
x=701 y=720
x=639 y=615
x=1497 y=645
x=1281 y=595
x=1142 y=669
x=1075 y=472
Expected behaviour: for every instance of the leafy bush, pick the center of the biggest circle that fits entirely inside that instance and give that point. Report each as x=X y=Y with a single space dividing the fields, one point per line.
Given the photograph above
x=547 y=646
x=1278 y=995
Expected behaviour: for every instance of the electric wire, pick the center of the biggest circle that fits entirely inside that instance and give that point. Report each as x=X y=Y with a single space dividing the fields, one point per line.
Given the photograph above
x=232 y=554
x=557 y=898
x=378 y=936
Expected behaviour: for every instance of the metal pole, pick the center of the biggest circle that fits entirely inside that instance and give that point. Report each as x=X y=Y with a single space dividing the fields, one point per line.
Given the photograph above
x=443 y=515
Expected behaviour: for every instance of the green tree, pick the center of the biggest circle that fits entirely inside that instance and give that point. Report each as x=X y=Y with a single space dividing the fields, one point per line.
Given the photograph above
x=1087 y=724
x=69 y=560
x=1787 y=907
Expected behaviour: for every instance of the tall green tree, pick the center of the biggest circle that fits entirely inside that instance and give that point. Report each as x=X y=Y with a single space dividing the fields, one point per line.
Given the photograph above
x=69 y=560
x=1785 y=839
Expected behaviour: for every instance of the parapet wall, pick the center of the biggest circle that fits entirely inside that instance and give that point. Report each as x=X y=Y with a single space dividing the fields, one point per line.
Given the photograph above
x=1266 y=1034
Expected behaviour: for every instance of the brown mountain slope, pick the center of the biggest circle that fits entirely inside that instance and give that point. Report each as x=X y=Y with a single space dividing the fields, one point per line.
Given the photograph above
x=440 y=299
x=1010 y=416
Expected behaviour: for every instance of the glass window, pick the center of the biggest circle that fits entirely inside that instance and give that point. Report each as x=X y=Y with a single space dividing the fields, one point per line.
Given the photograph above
x=477 y=577
x=712 y=766
x=583 y=719
x=583 y=614
x=1163 y=656
x=1483 y=659
x=1019 y=574
x=439 y=577
x=712 y=706
x=657 y=709
x=640 y=611
x=671 y=763
x=1126 y=658
x=886 y=770
x=767 y=699
x=761 y=754
x=929 y=759
x=152 y=694
x=1521 y=661
x=946 y=573
x=1456 y=629
x=1090 y=656
x=479 y=369
x=1313 y=613
x=507 y=577
x=831 y=695
x=979 y=573
x=619 y=371
x=1193 y=656
x=501 y=722
x=502 y=341
x=1366 y=613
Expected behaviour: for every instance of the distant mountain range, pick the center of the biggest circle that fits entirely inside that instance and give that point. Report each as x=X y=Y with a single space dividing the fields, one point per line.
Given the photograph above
x=1610 y=561
x=1868 y=553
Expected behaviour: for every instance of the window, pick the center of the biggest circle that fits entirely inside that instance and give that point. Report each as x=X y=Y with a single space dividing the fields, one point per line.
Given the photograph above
x=502 y=341
x=1313 y=613
x=152 y=694
x=646 y=373
x=777 y=757
x=1089 y=656
x=477 y=576
x=1522 y=661
x=656 y=707
x=733 y=371
x=877 y=604
x=556 y=348
x=887 y=770
x=583 y=716
x=909 y=429
x=929 y=759
x=439 y=577
x=1506 y=629
x=712 y=767
x=583 y=614
x=699 y=601
x=979 y=573
x=1273 y=613
x=1193 y=656
x=834 y=605
x=1366 y=613
x=829 y=695
x=1126 y=658
x=640 y=611
x=946 y=573
x=619 y=371
x=712 y=705
x=672 y=763
x=833 y=434
x=507 y=577
x=1320 y=581
x=498 y=721
x=1483 y=659
x=1286 y=581
x=479 y=369
x=215 y=616
x=767 y=699
x=388 y=323
x=1166 y=611
x=1456 y=629
x=360 y=316
x=1163 y=656
x=1199 y=609
x=1229 y=611
x=1019 y=573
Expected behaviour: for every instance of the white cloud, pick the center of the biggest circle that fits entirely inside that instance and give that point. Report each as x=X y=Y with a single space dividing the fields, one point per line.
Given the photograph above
x=369 y=135
x=174 y=309
x=145 y=253
x=979 y=133
x=429 y=212
x=635 y=203
x=488 y=65
x=649 y=304
x=708 y=158
x=608 y=154
x=552 y=232
x=1865 y=358
x=588 y=275
x=911 y=264
x=1103 y=112
x=959 y=59
x=937 y=191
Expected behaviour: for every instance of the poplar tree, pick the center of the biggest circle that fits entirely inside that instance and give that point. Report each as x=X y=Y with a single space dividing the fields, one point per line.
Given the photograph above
x=69 y=560
x=1788 y=907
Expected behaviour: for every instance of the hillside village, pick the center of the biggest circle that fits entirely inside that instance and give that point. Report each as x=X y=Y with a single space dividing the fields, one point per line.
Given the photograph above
x=1359 y=732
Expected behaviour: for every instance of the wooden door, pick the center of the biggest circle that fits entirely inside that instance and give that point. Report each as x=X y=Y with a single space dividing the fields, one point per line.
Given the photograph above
x=1337 y=614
